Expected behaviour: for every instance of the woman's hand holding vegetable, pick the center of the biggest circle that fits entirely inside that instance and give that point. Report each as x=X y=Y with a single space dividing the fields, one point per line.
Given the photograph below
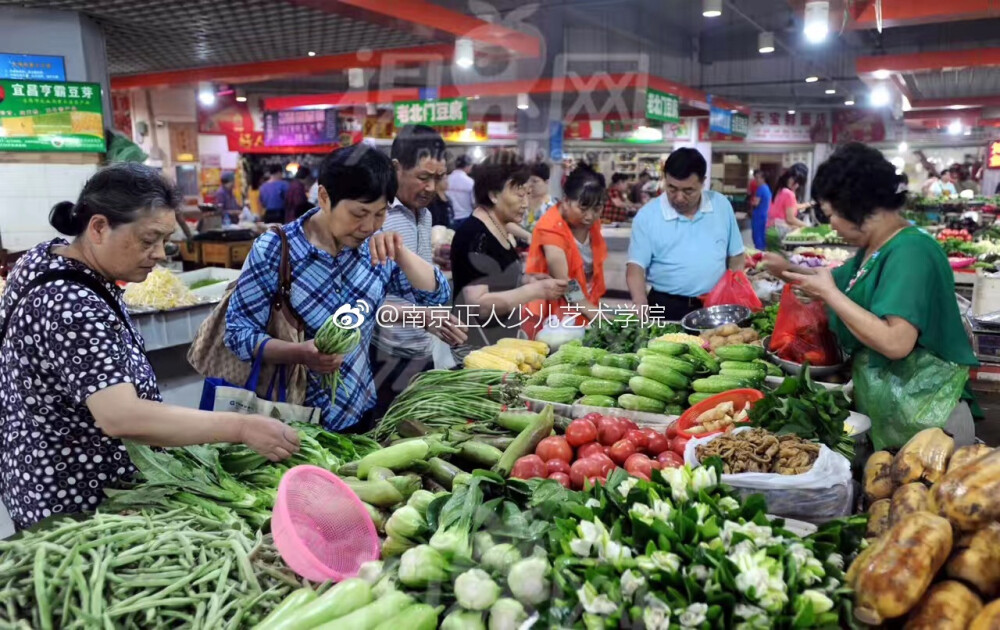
x=312 y=358
x=269 y=437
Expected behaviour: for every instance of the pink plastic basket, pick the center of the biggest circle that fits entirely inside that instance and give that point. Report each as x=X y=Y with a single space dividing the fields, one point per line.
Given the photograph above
x=320 y=527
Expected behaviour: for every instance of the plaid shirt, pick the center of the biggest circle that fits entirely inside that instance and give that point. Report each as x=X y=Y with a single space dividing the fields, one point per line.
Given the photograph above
x=321 y=284
x=612 y=214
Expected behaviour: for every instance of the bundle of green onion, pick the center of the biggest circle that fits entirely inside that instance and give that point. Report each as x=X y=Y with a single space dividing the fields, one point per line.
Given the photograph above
x=332 y=338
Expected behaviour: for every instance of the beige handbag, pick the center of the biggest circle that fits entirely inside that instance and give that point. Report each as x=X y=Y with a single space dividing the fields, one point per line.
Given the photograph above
x=210 y=356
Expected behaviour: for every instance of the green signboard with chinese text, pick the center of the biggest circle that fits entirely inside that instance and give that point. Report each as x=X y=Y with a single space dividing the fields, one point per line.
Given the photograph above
x=446 y=112
x=46 y=116
x=740 y=125
x=662 y=107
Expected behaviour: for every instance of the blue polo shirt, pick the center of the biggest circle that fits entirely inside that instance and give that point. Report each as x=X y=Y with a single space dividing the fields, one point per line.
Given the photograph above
x=684 y=256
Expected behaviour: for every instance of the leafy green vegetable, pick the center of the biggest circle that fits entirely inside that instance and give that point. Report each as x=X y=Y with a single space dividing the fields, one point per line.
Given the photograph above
x=763 y=321
x=803 y=408
x=624 y=333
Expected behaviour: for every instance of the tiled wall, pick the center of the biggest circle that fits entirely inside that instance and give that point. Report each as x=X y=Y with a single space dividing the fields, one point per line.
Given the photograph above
x=28 y=192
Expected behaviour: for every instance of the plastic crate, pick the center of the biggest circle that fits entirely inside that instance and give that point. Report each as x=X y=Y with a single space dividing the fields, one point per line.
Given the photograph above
x=213 y=292
x=166 y=329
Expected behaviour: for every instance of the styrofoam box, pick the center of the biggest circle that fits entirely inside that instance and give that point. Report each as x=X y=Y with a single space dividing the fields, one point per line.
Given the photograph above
x=213 y=292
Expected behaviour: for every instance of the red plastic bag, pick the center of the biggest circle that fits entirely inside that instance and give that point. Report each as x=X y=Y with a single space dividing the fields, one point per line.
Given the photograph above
x=733 y=288
x=802 y=332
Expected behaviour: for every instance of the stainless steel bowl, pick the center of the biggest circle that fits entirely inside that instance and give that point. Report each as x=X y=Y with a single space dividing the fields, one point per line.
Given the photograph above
x=818 y=372
x=714 y=316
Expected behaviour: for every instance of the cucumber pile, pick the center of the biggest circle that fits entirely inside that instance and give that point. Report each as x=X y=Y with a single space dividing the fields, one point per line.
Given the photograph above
x=664 y=377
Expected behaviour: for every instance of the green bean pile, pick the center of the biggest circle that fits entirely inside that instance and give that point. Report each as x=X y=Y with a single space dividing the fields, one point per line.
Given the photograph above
x=148 y=570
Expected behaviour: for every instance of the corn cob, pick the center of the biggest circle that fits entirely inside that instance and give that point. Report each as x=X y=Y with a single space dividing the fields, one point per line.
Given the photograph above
x=515 y=356
x=538 y=346
x=479 y=360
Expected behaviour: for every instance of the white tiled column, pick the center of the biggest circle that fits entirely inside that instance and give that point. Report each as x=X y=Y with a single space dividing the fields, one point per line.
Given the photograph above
x=27 y=194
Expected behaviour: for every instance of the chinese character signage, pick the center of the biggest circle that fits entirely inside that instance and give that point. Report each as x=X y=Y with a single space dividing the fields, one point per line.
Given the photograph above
x=740 y=125
x=993 y=160
x=42 y=116
x=443 y=113
x=662 y=107
x=32 y=67
x=300 y=128
x=858 y=125
x=776 y=126
x=720 y=120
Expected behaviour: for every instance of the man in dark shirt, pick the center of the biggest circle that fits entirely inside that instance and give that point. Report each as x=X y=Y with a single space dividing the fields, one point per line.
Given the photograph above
x=273 y=193
x=224 y=197
x=296 y=199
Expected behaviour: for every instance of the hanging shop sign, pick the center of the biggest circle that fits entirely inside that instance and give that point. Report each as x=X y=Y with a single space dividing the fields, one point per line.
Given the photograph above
x=720 y=120
x=443 y=113
x=857 y=125
x=121 y=112
x=993 y=157
x=806 y=127
x=662 y=107
x=740 y=125
x=707 y=134
x=475 y=132
x=32 y=67
x=43 y=116
x=306 y=127
x=226 y=117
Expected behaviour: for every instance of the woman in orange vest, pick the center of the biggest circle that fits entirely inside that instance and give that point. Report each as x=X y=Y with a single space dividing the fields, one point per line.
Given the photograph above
x=567 y=244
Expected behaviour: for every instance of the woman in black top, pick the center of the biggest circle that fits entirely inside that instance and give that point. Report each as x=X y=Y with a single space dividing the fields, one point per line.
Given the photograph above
x=490 y=286
x=74 y=378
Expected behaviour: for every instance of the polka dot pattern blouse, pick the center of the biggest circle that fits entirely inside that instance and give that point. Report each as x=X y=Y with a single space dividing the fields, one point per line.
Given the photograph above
x=63 y=344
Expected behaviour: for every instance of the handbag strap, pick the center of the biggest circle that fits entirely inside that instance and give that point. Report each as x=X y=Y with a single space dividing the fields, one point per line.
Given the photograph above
x=283 y=297
x=74 y=276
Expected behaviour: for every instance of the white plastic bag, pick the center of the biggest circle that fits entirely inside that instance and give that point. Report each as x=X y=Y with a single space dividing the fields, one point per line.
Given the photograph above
x=823 y=493
x=556 y=332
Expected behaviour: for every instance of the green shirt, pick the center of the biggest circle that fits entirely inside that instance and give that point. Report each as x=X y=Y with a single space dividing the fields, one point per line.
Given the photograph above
x=909 y=277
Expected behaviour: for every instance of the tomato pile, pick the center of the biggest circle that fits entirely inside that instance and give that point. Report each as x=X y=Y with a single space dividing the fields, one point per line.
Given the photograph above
x=961 y=235
x=593 y=447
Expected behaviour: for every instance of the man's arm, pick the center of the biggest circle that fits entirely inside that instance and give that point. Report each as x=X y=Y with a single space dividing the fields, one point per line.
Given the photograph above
x=737 y=262
x=635 y=278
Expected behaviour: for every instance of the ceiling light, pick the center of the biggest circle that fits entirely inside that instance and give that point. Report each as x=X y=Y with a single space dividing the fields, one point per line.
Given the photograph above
x=792 y=112
x=849 y=101
x=955 y=127
x=967 y=132
x=355 y=78
x=765 y=42
x=959 y=106
x=711 y=8
x=881 y=75
x=903 y=146
x=880 y=96
x=830 y=91
x=522 y=101
x=241 y=96
x=311 y=53
x=817 y=19
x=477 y=153
x=464 y=53
x=812 y=79
x=206 y=94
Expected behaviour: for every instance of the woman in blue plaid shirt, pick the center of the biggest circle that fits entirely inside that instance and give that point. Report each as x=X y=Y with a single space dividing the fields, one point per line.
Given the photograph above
x=338 y=257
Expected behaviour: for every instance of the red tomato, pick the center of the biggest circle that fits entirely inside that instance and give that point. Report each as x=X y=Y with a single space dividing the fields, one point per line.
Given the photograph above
x=657 y=444
x=609 y=431
x=594 y=481
x=554 y=447
x=607 y=452
x=671 y=430
x=637 y=437
x=622 y=450
x=589 y=450
x=678 y=443
x=583 y=469
x=580 y=432
x=529 y=467
x=641 y=475
x=593 y=417
x=638 y=463
x=655 y=463
x=670 y=459
x=556 y=466
x=607 y=465
x=562 y=478
x=628 y=424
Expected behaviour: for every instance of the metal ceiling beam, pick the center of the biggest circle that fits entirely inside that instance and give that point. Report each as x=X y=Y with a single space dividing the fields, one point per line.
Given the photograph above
x=912 y=12
x=568 y=85
x=426 y=19
x=285 y=68
x=942 y=103
x=929 y=61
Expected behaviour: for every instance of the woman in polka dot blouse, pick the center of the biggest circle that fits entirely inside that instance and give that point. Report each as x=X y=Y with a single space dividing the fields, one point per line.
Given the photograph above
x=74 y=378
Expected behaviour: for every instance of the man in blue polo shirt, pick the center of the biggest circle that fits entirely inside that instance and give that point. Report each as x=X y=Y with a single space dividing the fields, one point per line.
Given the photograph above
x=682 y=241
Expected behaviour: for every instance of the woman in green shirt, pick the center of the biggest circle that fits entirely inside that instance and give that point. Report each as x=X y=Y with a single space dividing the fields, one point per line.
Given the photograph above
x=892 y=306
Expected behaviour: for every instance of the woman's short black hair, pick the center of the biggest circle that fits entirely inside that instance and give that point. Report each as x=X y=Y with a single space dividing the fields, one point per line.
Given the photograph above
x=617 y=178
x=121 y=193
x=359 y=172
x=684 y=163
x=585 y=186
x=856 y=180
x=492 y=175
x=414 y=142
x=541 y=171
